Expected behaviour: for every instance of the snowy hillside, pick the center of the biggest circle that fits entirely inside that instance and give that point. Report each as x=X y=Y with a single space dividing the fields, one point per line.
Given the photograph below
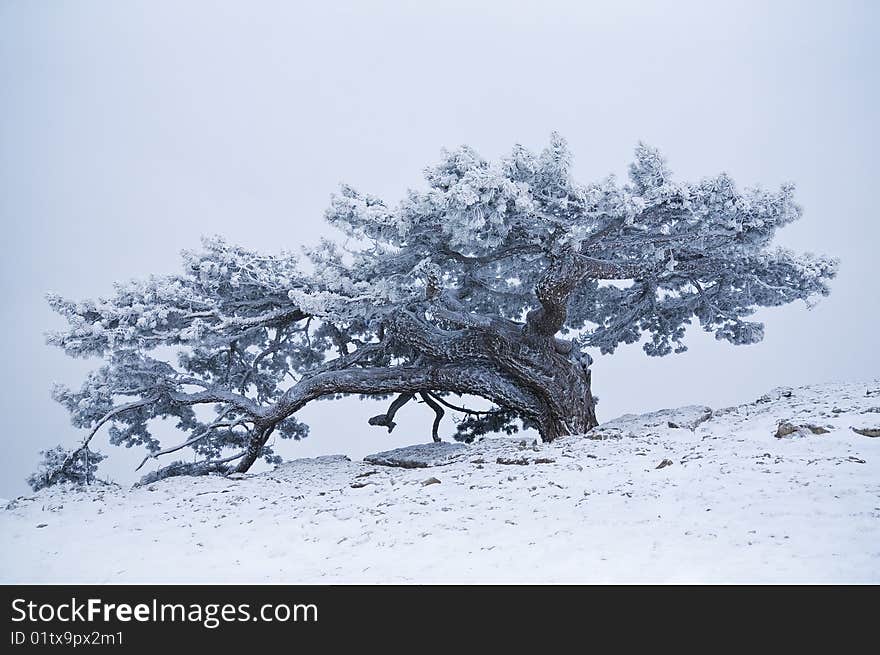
x=687 y=495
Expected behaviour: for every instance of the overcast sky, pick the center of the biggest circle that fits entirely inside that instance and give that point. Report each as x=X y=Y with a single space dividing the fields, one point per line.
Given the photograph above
x=129 y=129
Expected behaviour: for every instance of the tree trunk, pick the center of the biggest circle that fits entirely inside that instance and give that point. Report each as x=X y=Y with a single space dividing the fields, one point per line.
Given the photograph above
x=567 y=393
x=576 y=413
x=255 y=448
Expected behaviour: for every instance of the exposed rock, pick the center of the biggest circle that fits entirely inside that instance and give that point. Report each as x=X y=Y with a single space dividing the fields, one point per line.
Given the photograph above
x=323 y=459
x=601 y=433
x=524 y=461
x=775 y=394
x=430 y=481
x=867 y=432
x=522 y=444
x=787 y=428
x=419 y=456
x=784 y=429
x=664 y=464
x=689 y=417
x=519 y=461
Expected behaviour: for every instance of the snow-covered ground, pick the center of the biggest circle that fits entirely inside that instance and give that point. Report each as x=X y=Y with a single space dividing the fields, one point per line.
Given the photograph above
x=733 y=503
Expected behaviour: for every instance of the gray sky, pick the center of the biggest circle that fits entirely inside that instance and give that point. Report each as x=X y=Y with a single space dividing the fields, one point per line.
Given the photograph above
x=129 y=129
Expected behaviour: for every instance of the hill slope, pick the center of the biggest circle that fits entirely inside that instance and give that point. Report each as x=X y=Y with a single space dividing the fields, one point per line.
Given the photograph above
x=731 y=502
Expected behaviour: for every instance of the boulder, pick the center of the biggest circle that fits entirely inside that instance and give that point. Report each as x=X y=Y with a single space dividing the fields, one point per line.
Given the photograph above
x=789 y=429
x=689 y=417
x=419 y=456
x=775 y=394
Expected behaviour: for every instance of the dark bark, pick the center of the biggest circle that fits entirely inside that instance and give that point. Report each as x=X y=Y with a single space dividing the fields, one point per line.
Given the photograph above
x=438 y=415
x=387 y=419
x=255 y=447
x=520 y=367
x=542 y=379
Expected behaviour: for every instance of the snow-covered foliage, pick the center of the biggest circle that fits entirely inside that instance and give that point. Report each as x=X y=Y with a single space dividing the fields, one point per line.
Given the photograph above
x=466 y=286
x=58 y=465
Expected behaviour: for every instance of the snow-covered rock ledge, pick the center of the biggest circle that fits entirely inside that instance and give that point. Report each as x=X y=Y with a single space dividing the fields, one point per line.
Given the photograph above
x=687 y=495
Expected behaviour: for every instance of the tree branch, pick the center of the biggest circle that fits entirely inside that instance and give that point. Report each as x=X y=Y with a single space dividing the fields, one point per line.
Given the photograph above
x=463 y=410
x=465 y=378
x=116 y=411
x=201 y=435
x=213 y=394
x=387 y=419
x=438 y=415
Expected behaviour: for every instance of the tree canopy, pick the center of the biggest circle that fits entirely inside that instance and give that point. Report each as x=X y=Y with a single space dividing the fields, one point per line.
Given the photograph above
x=496 y=279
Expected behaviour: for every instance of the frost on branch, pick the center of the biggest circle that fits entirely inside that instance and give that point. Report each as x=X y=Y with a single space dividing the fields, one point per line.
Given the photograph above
x=57 y=467
x=494 y=280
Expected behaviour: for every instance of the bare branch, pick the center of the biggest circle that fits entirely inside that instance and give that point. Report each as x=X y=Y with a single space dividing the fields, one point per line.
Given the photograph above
x=438 y=414
x=219 y=423
x=463 y=410
x=387 y=419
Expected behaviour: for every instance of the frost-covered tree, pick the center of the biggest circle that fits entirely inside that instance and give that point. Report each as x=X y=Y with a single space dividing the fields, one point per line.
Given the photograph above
x=59 y=465
x=493 y=281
